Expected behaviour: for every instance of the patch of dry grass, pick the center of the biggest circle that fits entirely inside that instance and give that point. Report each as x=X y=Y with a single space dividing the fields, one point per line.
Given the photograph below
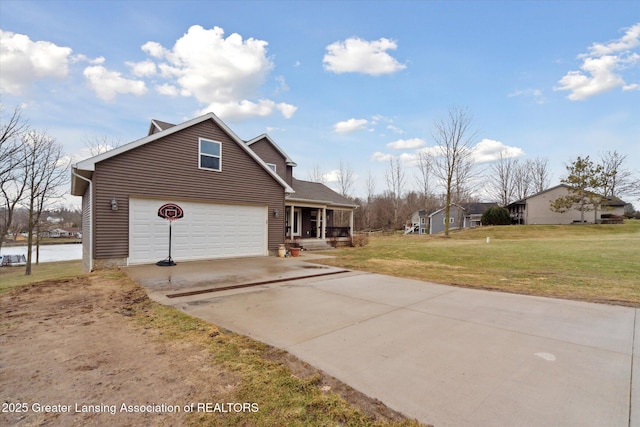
x=10 y=277
x=599 y=263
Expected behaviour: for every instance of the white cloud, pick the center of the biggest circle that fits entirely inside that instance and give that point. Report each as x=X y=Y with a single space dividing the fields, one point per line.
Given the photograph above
x=143 y=69
x=489 y=150
x=24 y=61
x=223 y=73
x=629 y=41
x=535 y=94
x=154 y=49
x=395 y=129
x=407 y=144
x=331 y=176
x=602 y=67
x=107 y=84
x=381 y=157
x=167 y=89
x=282 y=84
x=355 y=55
x=245 y=108
x=409 y=159
x=350 y=125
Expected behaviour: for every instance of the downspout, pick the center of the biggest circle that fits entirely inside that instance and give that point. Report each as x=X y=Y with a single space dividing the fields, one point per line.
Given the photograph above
x=90 y=217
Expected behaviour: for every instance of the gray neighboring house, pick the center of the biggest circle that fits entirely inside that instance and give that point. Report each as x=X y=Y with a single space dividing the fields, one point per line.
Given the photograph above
x=536 y=209
x=438 y=219
x=239 y=197
x=467 y=216
x=419 y=222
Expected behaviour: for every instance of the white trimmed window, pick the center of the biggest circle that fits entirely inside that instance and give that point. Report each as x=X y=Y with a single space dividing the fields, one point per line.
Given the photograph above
x=272 y=166
x=210 y=155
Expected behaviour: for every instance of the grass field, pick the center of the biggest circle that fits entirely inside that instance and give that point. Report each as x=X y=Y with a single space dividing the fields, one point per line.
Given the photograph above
x=599 y=263
x=10 y=277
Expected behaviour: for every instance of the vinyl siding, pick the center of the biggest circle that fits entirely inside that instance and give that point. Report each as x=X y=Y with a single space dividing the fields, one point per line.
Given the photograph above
x=269 y=154
x=168 y=169
x=538 y=210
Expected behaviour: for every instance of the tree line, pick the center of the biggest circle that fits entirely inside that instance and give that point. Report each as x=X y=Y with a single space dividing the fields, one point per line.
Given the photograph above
x=33 y=170
x=446 y=174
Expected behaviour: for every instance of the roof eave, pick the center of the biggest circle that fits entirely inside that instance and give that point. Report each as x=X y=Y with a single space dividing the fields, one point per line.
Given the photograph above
x=90 y=163
x=321 y=202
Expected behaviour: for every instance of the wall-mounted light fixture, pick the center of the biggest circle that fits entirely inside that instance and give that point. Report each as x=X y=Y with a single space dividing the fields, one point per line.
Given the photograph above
x=276 y=213
x=114 y=204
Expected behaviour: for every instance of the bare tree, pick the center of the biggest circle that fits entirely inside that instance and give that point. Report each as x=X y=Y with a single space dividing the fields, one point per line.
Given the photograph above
x=522 y=179
x=502 y=178
x=99 y=144
x=45 y=171
x=316 y=175
x=371 y=190
x=540 y=175
x=425 y=173
x=617 y=181
x=11 y=155
x=463 y=180
x=395 y=178
x=345 y=179
x=453 y=137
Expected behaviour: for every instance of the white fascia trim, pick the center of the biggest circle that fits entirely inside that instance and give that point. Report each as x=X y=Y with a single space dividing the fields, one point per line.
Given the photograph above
x=291 y=200
x=90 y=216
x=90 y=164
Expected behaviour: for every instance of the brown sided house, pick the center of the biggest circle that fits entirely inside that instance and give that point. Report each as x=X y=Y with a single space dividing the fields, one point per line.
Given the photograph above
x=234 y=195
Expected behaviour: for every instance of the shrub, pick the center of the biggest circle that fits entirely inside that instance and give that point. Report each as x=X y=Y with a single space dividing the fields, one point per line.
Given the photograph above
x=496 y=216
x=360 y=240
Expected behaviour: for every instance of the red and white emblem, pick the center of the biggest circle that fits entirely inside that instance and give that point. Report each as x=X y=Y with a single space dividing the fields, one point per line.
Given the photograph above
x=170 y=212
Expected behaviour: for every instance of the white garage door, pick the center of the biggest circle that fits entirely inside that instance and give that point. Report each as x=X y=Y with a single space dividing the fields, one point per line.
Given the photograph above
x=207 y=231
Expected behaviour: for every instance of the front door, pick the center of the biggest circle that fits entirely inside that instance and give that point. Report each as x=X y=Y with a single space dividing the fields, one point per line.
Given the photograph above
x=316 y=223
x=297 y=221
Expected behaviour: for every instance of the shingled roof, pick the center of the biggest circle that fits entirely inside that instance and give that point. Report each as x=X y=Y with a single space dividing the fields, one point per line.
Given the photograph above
x=306 y=191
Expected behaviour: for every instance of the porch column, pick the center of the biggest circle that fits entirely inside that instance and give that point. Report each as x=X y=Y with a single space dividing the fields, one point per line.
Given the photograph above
x=351 y=224
x=291 y=217
x=324 y=222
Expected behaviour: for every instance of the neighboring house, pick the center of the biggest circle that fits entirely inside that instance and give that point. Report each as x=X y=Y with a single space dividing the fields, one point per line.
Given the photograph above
x=419 y=222
x=469 y=216
x=238 y=197
x=438 y=219
x=536 y=209
x=473 y=213
x=58 y=232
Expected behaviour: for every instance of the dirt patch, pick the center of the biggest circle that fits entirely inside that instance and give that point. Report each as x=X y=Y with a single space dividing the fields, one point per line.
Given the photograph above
x=72 y=345
x=72 y=353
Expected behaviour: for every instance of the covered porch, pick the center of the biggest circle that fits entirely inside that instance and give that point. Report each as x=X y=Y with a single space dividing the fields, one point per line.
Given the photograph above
x=318 y=226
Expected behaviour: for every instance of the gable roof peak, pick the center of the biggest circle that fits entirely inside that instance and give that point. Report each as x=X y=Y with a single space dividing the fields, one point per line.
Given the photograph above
x=159 y=126
x=260 y=137
x=90 y=163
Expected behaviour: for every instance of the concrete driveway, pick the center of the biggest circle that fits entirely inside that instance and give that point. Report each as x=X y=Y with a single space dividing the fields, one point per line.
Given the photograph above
x=443 y=355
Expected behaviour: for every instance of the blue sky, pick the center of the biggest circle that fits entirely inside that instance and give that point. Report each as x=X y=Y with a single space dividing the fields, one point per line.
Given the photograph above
x=355 y=82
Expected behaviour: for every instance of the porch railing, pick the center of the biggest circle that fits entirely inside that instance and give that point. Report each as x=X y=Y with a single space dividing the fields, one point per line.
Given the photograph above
x=338 y=232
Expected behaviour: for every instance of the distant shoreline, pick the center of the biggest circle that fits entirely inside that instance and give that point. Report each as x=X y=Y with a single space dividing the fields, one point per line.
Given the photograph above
x=48 y=242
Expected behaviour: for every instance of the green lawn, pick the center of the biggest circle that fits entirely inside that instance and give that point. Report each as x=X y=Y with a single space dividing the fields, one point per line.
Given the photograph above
x=599 y=263
x=11 y=277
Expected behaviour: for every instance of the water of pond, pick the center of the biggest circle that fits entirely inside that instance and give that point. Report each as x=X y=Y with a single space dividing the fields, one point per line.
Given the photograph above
x=48 y=253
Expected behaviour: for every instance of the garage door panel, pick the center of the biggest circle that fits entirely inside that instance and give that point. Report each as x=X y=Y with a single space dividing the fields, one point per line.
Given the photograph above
x=207 y=231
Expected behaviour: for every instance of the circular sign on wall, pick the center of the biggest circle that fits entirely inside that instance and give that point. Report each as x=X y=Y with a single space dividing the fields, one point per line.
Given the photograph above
x=170 y=212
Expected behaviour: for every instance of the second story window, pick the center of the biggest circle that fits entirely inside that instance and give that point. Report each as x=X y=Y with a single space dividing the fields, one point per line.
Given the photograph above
x=210 y=155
